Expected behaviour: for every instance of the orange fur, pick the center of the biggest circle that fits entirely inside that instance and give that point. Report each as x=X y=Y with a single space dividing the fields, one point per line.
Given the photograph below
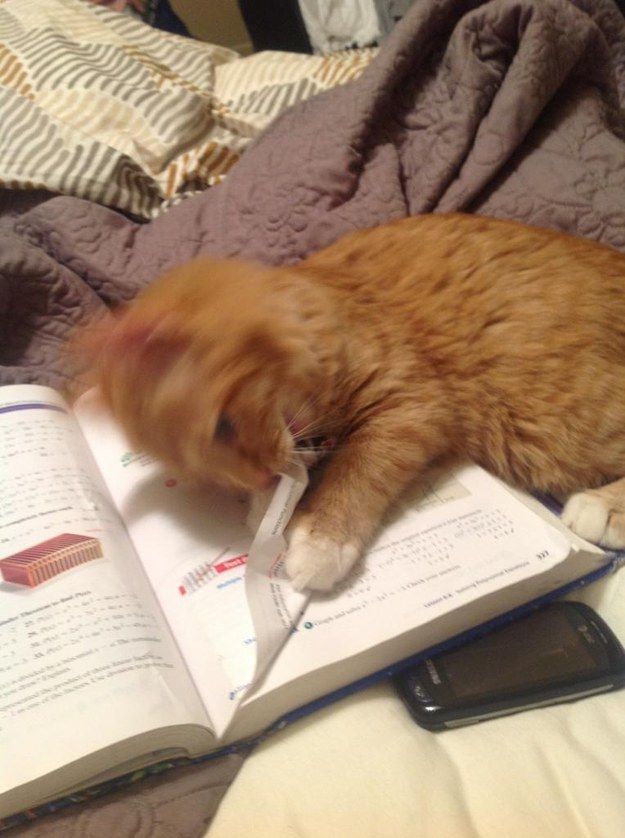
x=432 y=335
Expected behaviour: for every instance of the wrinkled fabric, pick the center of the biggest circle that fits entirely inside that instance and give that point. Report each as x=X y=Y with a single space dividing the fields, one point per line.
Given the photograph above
x=511 y=108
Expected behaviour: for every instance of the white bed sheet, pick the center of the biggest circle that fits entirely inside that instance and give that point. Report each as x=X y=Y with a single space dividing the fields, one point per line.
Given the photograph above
x=362 y=768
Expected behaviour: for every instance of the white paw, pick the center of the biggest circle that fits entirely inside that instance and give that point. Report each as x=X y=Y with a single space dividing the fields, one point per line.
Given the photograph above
x=593 y=517
x=316 y=562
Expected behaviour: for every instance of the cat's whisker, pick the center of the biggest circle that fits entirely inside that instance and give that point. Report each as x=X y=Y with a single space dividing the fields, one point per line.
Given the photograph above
x=312 y=426
x=311 y=429
x=308 y=405
x=304 y=405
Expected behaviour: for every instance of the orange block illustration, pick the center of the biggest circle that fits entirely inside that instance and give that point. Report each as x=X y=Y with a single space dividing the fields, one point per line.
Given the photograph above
x=41 y=562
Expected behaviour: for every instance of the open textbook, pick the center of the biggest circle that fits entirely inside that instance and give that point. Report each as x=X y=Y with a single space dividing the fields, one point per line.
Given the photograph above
x=140 y=620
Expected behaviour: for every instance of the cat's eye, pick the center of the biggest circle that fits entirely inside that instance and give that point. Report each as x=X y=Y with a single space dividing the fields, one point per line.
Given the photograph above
x=224 y=430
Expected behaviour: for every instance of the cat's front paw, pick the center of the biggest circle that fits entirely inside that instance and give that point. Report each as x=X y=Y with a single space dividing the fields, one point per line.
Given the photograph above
x=597 y=517
x=317 y=562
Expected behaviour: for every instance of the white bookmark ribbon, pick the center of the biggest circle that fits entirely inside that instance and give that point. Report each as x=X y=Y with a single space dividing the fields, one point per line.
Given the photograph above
x=274 y=605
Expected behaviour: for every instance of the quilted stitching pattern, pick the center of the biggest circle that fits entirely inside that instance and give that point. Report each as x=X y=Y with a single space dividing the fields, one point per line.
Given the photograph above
x=507 y=107
x=178 y=804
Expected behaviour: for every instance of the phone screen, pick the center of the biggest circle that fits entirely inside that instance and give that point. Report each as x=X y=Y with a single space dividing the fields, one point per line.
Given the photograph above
x=527 y=653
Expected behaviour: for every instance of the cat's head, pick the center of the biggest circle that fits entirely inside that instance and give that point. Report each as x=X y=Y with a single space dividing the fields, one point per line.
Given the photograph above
x=209 y=371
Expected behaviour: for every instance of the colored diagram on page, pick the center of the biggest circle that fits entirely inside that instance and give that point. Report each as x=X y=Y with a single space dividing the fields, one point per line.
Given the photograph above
x=48 y=559
x=205 y=572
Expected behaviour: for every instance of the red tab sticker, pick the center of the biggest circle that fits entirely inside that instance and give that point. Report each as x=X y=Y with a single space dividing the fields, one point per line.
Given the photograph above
x=235 y=561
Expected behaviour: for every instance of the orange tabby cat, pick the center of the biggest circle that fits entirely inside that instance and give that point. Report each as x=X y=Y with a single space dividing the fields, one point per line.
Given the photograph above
x=431 y=335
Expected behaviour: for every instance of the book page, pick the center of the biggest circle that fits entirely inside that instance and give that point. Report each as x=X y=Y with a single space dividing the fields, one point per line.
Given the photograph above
x=85 y=656
x=195 y=548
x=463 y=538
x=456 y=540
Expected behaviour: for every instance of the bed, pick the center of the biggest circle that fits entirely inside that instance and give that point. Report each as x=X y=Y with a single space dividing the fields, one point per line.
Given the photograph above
x=511 y=108
x=364 y=768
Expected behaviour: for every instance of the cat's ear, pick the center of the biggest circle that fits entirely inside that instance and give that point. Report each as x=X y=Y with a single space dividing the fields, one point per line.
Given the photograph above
x=147 y=344
x=155 y=338
x=111 y=330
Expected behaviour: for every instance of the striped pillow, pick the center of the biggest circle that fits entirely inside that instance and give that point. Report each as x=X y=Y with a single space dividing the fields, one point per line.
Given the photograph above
x=99 y=105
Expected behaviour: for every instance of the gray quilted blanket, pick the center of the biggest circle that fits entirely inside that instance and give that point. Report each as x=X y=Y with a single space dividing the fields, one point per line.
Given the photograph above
x=511 y=108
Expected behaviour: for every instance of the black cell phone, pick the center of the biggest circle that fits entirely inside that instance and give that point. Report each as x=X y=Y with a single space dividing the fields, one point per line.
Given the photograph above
x=561 y=652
